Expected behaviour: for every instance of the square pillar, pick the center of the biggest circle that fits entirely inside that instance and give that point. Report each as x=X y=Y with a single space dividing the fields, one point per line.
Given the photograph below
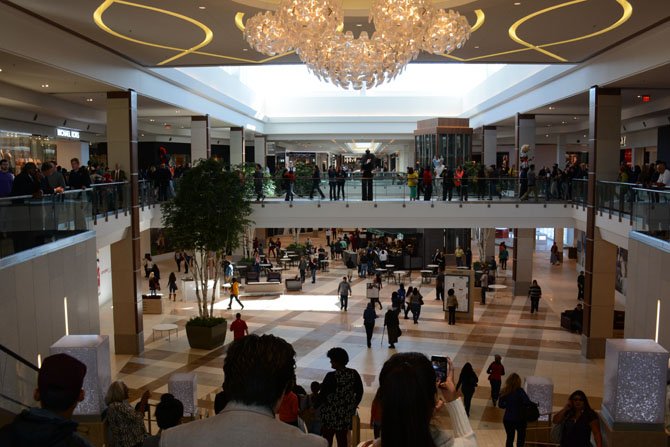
x=522 y=261
x=541 y=391
x=92 y=351
x=524 y=134
x=200 y=139
x=633 y=408
x=236 y=146
x=125 y=254
x=489 y=144
x=260 y=150
x=184 y=386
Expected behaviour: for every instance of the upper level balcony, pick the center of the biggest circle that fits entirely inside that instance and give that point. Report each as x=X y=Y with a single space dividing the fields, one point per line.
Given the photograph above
x=27 y=221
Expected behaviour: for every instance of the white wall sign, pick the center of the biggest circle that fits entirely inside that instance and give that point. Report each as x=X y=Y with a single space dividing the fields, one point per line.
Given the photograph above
x=67 y=133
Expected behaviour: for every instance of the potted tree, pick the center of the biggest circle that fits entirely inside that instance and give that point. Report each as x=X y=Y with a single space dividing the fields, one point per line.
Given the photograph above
x=207 y=218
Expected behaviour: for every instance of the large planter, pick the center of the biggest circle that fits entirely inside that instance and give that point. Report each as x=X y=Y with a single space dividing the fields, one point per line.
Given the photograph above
x=208 y=338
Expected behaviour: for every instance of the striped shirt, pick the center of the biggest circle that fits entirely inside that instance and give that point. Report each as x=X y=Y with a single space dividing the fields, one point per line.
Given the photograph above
x=534 y=292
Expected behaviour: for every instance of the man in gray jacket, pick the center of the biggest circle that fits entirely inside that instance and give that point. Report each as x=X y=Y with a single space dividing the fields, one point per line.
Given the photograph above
x=344 y=290
x=258 y=371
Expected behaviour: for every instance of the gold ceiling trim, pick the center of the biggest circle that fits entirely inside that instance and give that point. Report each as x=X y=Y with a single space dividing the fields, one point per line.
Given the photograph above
x=239 y=23
x=97 y=18
x=627 y=12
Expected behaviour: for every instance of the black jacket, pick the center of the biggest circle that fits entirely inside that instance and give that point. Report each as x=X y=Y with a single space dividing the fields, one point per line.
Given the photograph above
x=41 y=428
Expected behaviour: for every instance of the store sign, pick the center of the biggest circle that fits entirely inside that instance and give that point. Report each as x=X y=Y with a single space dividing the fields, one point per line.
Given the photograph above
x=67 y=133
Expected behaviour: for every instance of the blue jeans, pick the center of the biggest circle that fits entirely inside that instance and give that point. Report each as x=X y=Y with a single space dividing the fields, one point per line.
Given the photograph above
x=364 y=270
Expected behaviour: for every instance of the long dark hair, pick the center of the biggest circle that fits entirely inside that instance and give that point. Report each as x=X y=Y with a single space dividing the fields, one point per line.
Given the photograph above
x=580 y=393
x=407 y=394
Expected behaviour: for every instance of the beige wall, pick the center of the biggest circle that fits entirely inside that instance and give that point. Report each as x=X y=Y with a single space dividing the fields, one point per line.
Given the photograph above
x=648 y=281
x=34 y=283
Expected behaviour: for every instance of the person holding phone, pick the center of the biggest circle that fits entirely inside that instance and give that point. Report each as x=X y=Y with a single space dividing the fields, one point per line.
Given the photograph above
x=407 y=386
x=578 y=421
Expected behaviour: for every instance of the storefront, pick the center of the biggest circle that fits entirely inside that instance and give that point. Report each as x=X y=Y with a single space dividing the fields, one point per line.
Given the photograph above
x=21 y=148
x=58 y=145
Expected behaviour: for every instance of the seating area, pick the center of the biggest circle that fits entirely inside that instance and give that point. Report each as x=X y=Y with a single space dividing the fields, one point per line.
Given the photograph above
x=252 y=276
x=274 y=277
x=263 y=288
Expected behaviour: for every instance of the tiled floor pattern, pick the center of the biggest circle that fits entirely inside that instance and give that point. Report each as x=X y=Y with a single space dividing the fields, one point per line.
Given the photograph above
x=529 y=344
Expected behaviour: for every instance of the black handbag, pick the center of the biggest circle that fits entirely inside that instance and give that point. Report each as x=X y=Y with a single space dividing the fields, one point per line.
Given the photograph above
x=530 y=411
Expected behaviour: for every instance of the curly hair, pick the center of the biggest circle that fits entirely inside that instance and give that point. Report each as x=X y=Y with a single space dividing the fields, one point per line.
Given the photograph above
x=258 y=370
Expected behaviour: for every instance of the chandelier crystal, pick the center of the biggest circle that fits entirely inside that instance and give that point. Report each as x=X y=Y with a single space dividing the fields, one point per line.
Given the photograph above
x=403 y=28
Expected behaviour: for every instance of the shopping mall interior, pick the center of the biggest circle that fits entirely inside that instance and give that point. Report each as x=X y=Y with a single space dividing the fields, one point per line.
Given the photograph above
x=105 y=83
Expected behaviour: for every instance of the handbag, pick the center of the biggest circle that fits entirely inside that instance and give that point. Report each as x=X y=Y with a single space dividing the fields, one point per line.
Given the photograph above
x=530 y=411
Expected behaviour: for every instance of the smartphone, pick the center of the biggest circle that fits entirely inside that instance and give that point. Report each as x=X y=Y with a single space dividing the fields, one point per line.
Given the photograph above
x=440 y=365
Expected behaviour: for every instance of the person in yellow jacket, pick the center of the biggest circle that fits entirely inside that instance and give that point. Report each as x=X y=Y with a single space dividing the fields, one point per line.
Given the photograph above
x=235 y=293
x=412 y=181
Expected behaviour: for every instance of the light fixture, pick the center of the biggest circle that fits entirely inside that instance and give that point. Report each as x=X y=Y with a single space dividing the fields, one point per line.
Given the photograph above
x=0 y=70
x=45 y=85
x=202 y=7
x=89 y=99
x=313 y=28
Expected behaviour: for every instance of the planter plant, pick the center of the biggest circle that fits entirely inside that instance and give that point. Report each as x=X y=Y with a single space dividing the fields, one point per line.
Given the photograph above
x=207 y=218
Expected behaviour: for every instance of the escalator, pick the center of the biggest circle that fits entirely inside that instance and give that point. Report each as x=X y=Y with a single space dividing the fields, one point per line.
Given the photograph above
x=18 y=380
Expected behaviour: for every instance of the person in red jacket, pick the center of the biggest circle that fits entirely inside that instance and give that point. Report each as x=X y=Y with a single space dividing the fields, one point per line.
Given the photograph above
x=495 y=371
x=239 y=327
x=427 y=183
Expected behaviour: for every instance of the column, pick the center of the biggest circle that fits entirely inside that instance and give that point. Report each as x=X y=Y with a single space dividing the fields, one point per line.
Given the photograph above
x=489 y=242
x=522 y=260
x=561 y=146
x=558 y=238
x=125 y=254
x=259 y=149
x=489 y=144
x=524 y=134
x=200 y=144
x=236 y=146
x=604 y=134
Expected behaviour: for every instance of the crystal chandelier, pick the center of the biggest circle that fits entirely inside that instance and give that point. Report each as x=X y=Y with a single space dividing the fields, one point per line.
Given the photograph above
x=313 y=28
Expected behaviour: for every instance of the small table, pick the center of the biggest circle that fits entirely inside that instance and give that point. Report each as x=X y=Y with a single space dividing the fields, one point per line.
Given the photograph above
x=433 y=267
x=324 y=264
x=426 y=276
x=398 y=275
x=165 y=327
x=463 y=267
x=285 y=263
x=381 y=271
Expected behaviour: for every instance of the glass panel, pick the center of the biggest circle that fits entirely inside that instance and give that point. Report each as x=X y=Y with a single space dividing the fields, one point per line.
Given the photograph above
x=18 y=380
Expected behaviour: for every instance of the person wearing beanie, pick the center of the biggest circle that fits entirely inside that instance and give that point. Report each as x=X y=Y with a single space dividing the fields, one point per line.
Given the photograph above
x=59 y=390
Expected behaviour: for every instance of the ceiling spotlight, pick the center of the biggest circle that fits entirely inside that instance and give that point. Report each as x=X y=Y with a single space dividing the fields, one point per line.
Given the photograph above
x=177 y=111
x=245 y=49
x=151 y=120
x=564 y=122
x=0 y=70
x=476 y=47
x=551 y=107
x=45 y=85
x=89 y=99
x=517 y=3
x=574 y=118
x=202 y=7
x=359 y=25
x=546 y=135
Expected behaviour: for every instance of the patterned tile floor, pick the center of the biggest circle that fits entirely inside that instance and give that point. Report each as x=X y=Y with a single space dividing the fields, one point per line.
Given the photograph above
x=529 y=344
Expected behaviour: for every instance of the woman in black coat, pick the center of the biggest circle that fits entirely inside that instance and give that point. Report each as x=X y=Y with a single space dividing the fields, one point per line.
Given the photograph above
x=467 y=382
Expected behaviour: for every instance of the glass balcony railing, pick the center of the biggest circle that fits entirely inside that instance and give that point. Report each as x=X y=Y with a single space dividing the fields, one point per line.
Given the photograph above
x=396 y=188
x=18 y=379
x=651 y=212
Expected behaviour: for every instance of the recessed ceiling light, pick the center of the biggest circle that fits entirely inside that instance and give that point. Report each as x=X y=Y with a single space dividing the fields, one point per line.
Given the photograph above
x=177 y=111
x=89 y=99
x=584 y=136
x=0 y=70
x=245 y=49
x=564 y=122
x=476 y=47
x=45 y=85
x=546 y=135
x=548 y=125
x=151 y=120
x=551 y=107
x=359 y=25
x=574 y=118
x=141 y=135
x=517 y=3
x=202 y=7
